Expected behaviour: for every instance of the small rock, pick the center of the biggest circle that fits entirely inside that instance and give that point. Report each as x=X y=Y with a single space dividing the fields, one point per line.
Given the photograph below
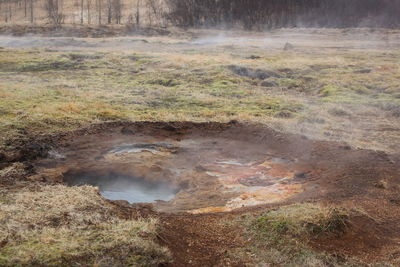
x=127 y=131
x=381 y=185
x=260 y=74
x=254 y=57
x=300 y=175
x=288 y=46
x=284 y=114
x=363 y=71
x=269 y=84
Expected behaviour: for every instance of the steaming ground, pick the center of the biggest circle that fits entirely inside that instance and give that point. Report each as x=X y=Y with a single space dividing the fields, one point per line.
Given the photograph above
x=319 y=84
x=327 y=84
x=303 y=38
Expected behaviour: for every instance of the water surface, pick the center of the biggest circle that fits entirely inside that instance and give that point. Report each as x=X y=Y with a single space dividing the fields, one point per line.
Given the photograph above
x=120 y=187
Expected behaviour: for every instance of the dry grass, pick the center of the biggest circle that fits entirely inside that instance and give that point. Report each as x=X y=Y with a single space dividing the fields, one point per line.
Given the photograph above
x=323 y=92
x=49 y=90
x=59 y=225
x=279 y=237
x=12 y=173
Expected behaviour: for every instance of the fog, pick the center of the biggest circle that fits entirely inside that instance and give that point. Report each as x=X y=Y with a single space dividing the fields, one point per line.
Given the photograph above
x=209 y=39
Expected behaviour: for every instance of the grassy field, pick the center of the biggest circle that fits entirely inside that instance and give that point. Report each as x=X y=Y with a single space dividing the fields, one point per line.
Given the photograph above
x=321 y=88
x=349 y=95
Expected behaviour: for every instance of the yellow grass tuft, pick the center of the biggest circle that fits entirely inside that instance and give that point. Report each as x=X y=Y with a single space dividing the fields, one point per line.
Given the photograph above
x=59 y=225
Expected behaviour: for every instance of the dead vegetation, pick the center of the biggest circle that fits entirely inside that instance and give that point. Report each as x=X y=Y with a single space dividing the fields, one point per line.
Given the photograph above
x=59 y=225
x=346 y=94
x=312 y=91
x=15 y=172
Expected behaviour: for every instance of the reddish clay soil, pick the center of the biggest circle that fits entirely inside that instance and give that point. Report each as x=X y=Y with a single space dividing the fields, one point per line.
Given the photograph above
x=283 y=167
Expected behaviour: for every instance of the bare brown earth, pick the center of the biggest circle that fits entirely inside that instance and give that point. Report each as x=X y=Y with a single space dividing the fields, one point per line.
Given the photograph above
x=323 y=172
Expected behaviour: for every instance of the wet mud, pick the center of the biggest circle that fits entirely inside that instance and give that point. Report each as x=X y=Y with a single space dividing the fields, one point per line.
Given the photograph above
x=211 y=167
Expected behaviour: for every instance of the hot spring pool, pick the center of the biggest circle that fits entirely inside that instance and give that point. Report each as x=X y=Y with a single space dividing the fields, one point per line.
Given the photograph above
x=120 y=187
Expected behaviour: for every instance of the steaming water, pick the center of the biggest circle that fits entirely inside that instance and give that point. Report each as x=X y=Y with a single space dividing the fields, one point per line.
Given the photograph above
x=131 y=189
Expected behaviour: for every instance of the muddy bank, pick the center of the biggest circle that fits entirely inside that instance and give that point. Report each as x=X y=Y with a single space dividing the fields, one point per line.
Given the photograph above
x=216 y=167
x=223 y=171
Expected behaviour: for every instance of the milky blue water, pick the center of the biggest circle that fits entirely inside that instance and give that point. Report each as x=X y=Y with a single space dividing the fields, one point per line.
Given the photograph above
x=119 y=187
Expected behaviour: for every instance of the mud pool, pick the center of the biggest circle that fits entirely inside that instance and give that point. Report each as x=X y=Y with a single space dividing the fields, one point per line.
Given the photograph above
x=188 y=170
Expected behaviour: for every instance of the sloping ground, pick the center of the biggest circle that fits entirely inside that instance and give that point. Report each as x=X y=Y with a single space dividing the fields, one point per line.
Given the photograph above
x=226 y=240
x=363 y=184
x=52 y=225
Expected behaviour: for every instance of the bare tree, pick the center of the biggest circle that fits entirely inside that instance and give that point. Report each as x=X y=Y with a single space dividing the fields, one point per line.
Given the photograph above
x=154 y=8
x=249 y=14
x=9 y=11
x=54 y=13
x=81 y=11
x=137 y=15
x=31 y=11
x=4 y=9
x=99 y=10
x=89 y=8
x=25 y=8
x=117 y=8
x=109 y=11
x=263 y=14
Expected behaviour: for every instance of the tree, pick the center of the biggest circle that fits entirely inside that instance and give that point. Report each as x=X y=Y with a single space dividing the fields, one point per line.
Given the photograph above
x=263 y=14
x=31 y=11
x=137 y=15
x=109 y=11
x=54 y=13
x=81 y=11
x=99 y=10
x=89 y=8
x=117 y=8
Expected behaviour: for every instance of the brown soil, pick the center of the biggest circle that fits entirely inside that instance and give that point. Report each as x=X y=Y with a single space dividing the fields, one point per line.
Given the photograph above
x=323 y=172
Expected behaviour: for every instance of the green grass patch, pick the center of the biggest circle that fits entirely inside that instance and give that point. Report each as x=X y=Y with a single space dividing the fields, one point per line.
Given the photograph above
x=303 y=220
x=280 y=237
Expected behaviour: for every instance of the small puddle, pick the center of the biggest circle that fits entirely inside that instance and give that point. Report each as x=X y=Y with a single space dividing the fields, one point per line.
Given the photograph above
x=120 y=187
